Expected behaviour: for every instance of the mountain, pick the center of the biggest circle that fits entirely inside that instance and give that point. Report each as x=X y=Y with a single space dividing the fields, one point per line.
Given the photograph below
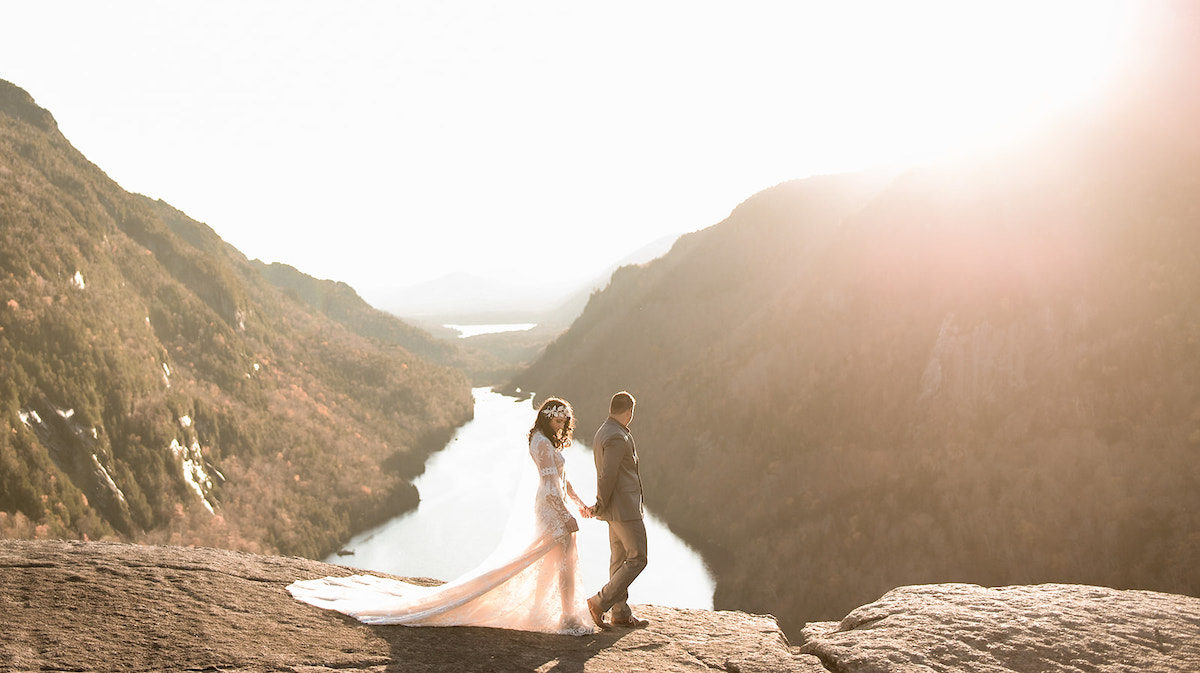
x=566 y=312
x=489 y=358
x=984 y=370
x=340 y=303
x=155 y=387
x=465 y=297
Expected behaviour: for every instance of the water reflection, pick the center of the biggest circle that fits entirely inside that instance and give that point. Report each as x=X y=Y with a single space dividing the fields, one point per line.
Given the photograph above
x=467 y=494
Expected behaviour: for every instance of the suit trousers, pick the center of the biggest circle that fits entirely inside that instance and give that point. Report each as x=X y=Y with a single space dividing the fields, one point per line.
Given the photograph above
x=627 y=543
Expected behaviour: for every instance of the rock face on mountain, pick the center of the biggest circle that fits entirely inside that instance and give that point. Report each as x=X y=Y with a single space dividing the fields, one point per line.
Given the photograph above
x=982 y=370
x=119 y=607
x=154 y=386
x=1044 y=629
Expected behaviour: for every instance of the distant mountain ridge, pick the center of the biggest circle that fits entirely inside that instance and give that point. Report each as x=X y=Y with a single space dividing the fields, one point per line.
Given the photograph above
x=490 y=358
x=459 y=294
x=985 y=370
x=154 y=386
x=467 y=298
x=339 y=302
x=567 y=311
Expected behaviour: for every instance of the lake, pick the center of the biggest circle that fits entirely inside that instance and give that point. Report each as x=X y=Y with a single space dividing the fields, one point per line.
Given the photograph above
x=465 y=331
x=467 y=494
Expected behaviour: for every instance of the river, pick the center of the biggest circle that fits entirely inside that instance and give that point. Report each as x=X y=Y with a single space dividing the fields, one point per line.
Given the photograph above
x=467 y=493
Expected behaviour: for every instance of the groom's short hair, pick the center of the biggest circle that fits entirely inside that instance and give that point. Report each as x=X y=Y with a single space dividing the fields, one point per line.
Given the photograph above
x=621 y=402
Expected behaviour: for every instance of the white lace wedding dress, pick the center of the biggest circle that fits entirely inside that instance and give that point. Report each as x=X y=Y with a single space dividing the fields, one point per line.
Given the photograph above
x=534 y=587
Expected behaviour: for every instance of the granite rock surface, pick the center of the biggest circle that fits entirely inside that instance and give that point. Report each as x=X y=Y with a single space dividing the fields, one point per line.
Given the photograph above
x=78 y=606
x=1046 y=628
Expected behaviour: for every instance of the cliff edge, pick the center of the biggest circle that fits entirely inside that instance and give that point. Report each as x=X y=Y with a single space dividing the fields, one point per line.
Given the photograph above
x=1046 y=628
x=83 y=606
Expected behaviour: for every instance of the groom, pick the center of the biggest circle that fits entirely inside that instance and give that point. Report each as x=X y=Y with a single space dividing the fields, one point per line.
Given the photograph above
x=619 y=502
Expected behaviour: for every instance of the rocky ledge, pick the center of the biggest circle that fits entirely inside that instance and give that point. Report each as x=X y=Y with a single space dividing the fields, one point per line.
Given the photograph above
x=78 y=606
x=1046 y=628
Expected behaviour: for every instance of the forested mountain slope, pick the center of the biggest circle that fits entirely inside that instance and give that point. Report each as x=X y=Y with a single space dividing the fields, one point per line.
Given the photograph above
x=154 y=386
x=986 y=370
x=341 y=303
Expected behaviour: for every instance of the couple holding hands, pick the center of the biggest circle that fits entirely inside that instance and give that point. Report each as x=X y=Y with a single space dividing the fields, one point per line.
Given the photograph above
x=537 y=587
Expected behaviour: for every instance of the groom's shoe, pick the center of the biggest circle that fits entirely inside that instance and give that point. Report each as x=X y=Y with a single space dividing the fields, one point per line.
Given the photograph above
x=597 y=614
x=631 y=623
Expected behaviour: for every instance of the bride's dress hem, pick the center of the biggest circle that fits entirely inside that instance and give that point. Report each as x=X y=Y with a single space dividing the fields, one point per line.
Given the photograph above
x=537 y=588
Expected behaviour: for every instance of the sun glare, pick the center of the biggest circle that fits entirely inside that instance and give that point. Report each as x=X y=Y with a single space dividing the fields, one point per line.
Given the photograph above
x=955 y=77
x=617 y=123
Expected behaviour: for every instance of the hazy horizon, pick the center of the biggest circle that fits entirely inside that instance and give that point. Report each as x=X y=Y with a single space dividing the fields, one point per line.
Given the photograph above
x=390 y=146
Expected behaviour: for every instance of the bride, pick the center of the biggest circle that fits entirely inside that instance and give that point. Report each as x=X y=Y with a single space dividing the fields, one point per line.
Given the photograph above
x=532 y=585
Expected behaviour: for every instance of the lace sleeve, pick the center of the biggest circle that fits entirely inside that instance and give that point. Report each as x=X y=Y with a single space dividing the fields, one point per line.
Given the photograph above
x=543 y=457
x=552 y=510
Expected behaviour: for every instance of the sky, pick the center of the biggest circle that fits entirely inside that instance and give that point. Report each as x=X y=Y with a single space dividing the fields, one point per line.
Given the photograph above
x=386 y=144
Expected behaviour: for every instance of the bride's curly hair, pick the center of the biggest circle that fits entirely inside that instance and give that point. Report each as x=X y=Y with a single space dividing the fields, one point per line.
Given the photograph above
x=542 y=422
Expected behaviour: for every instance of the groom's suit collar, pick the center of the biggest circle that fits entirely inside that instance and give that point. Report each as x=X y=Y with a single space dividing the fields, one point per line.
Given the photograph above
x=619 y=424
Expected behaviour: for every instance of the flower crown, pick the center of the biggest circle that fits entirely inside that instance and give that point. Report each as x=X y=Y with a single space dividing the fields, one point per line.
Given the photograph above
x=556 y=412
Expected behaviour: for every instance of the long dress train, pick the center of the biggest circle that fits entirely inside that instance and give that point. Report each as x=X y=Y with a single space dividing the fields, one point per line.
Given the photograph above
x=538 y=588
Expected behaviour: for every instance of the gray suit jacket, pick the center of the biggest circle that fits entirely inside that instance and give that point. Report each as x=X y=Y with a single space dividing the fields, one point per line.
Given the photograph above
x=618 y=483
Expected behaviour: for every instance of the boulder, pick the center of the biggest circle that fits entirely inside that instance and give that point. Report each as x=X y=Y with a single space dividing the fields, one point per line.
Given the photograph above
x=1032 y=629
